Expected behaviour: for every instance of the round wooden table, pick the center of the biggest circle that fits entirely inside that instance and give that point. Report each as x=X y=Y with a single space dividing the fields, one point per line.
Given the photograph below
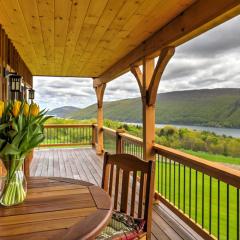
x=58 y=209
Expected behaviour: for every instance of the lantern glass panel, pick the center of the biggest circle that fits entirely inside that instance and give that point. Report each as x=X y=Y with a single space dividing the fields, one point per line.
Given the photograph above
x=15 y=82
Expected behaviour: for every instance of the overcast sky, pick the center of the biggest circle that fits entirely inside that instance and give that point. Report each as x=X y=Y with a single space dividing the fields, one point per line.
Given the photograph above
x=211 y=60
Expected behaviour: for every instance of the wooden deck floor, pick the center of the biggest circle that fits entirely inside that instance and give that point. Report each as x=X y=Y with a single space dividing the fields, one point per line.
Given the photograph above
x=84 y=164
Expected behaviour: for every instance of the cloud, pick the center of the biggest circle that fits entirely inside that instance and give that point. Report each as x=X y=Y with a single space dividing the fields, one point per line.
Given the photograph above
x=211 y=60
x=218 y=41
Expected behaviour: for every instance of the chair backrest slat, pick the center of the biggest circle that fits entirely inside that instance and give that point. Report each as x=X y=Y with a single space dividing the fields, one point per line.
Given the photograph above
x=125 y=190
x=128 y=169
x=141 y=190
x=134 y=185
x=116 y=187
x=111 y=180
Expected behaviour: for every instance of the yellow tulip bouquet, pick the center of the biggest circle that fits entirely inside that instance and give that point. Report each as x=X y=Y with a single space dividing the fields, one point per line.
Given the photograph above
x=21 y=130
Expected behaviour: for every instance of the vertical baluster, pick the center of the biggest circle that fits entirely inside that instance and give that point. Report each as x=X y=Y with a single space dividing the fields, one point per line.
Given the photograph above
x=238 y=215
x=158 y=176
x=87 y=137
x=218 y=209
x=65 y=134
x=52 y=133
x=165 y=177
x=184 y=188
x=72 y=136
x=161 y=174
x=190 y=191
x=69 y=135
x=227 y=211
x=84 y=135
x=196 y=195
x=210 y=205
x=179 y=173
x=80 y=135
x=57 y=135
x=170 y=175
x=202 y=200
x=174 y=182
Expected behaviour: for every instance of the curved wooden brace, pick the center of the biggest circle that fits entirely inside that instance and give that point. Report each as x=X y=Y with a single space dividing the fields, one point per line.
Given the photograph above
x=100 y=93
x=163 y=60
x=135 y=70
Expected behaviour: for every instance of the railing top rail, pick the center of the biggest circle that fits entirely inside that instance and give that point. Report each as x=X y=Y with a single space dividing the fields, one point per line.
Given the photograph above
x=110 y=130
x=82 y=125
x=131 y=138
x=216 y=170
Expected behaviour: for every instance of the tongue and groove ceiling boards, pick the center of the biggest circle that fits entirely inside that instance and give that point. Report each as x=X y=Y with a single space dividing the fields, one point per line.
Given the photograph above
x=101 y=38
x=82 y=37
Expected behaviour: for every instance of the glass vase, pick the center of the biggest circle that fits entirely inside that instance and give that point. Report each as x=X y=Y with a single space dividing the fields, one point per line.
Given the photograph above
x=15 y=188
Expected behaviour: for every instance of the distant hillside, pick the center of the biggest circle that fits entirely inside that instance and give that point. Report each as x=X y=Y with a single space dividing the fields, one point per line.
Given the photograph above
x=63 y=111
x=215 y=107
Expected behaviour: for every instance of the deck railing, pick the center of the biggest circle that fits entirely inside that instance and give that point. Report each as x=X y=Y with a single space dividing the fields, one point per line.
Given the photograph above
x=69 y=135
x=203 y=194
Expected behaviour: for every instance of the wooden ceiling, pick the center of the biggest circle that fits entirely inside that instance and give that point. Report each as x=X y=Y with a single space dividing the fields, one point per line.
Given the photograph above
x=82 y=37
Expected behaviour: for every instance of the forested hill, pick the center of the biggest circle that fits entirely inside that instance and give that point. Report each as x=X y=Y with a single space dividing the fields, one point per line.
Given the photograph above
x=63 y=111
x=215 y=107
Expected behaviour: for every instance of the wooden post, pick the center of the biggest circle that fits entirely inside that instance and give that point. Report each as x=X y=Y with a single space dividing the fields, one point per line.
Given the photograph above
x=93 y=135
x=119 y=142
x=100 y=92
x=148 y=82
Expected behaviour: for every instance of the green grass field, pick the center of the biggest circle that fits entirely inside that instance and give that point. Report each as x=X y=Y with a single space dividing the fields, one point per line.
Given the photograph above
x=214 y=157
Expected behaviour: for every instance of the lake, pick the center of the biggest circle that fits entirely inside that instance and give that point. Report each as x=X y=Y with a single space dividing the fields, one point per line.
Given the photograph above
x=233 y=132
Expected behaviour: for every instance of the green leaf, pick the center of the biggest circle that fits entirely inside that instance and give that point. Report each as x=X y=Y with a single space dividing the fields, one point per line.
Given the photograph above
x=12 y=133
x=14 y=124
x=10 y=149
x=3 y=126
x=2 y=143
x=36 y=141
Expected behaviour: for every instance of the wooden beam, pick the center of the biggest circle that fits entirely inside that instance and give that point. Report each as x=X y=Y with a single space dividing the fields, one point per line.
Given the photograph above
x=100 y=93
x=136 y=71
x=148 y=112
x=148 y=82
x=198 y=18
x=163 y=60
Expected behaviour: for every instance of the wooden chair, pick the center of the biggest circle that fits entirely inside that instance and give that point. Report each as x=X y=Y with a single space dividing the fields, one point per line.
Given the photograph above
x=130 y=183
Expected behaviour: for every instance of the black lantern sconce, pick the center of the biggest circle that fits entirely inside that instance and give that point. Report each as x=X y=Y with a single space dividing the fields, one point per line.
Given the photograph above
x=15 y=83
x=31 y=93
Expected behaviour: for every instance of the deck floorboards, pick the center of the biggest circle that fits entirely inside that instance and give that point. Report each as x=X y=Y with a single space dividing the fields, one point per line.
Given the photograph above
x=84 y=164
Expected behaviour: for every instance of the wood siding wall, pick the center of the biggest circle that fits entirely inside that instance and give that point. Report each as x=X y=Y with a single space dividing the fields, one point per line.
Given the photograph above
x=10 y=59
